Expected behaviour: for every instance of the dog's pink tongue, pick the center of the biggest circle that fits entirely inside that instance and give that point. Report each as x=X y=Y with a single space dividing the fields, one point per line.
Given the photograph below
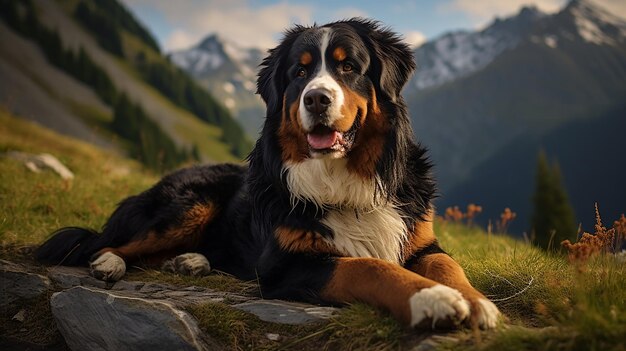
x=322 y=141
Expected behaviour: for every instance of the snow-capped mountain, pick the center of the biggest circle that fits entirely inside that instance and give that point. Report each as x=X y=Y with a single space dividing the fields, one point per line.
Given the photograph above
x=229 y=72
x=458 y=54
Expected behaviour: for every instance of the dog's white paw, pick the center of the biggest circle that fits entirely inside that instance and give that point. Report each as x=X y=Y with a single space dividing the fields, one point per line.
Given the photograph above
x=108 y=267
x=487 y=313
x=440 y=304
x=193 y=264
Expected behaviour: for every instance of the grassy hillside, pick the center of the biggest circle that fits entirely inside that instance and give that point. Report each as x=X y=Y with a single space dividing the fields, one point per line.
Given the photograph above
x=32 y=205
x=550 y=303
x=101 y=49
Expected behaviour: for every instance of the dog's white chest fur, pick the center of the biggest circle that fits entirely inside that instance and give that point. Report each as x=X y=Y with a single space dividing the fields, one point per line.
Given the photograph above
x=379 y=233
x=363 y=225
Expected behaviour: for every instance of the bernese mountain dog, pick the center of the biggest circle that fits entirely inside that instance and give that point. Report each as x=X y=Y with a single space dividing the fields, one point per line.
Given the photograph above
x=334 y=205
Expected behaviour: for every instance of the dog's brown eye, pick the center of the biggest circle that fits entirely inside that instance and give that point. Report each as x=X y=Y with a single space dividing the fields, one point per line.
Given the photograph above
x=301 y=72
x=346 y=67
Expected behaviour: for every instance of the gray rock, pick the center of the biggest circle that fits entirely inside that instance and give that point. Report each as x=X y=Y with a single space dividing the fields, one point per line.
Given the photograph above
x=277 y=311
x=96 y=319
x=16 y=283
x=69 y=277
x=37 y=163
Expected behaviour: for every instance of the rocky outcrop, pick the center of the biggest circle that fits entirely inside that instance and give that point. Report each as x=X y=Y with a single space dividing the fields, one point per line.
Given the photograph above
x=135 y=315
x=17 y=282
x=92 y=318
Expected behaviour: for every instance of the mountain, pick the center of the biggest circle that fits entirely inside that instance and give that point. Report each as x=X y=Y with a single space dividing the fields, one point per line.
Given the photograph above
x=229 y=72
x=552 y=71
x=589 y=153
x=458 y=54
x=89 y=69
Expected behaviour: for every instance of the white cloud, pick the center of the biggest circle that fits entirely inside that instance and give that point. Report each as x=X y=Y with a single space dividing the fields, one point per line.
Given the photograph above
x=236 y=20
x=179 y=39
x=414 y=38
x=483 y=11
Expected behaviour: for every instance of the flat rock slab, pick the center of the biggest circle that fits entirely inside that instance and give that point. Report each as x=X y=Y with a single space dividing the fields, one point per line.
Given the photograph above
x=96 y=319
x=277 y=311
x=16 y=282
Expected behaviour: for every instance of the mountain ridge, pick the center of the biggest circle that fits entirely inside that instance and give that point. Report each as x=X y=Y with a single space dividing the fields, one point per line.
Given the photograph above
x=229 y=72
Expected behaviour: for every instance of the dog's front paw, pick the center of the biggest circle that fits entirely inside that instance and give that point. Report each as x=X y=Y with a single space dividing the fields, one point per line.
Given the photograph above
x=438 y=306
x=193 y=264
x=485 y=313
x=108 y=267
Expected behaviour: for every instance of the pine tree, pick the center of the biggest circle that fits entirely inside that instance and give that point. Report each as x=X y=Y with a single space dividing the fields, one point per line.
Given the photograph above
x=553 y=217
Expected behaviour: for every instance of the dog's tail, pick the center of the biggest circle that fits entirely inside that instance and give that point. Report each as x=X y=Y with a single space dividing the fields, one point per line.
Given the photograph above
x=70 y=246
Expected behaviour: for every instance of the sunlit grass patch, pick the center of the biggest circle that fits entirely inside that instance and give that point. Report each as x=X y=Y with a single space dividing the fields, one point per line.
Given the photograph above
x=582 y=310
x=32 y=205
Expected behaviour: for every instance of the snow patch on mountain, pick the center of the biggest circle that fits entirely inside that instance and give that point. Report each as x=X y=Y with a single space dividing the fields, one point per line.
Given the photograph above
x=229 y=66
x=197 y=60
x=458 y=54
x=455 y=55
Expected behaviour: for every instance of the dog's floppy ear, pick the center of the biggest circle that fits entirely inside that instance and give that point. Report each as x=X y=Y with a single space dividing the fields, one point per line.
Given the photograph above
x=271 y=80
x=393 y=61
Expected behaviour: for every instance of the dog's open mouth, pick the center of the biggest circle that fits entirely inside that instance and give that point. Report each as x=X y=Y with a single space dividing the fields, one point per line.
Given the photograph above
x=324 y=139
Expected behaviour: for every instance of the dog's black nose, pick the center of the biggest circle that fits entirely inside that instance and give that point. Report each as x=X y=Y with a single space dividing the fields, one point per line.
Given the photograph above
x=317 y=101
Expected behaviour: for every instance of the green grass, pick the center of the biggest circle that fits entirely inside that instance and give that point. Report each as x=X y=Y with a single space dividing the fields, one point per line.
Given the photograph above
x=550 y=304
x=582 y=310
x=32 y=205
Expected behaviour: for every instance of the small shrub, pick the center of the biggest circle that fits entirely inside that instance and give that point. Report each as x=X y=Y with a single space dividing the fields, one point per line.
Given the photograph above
x=602 y=241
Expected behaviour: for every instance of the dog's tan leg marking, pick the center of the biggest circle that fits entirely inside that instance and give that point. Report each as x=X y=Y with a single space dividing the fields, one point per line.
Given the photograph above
x=411 y=298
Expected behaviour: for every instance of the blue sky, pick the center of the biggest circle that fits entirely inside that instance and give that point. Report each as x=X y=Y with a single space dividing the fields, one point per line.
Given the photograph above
x=258 y=23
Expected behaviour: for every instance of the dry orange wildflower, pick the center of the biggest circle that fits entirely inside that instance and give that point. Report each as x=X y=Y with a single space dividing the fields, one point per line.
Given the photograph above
x=454 y=214
x=473 y=210
x=505 y=219
x=588 y=245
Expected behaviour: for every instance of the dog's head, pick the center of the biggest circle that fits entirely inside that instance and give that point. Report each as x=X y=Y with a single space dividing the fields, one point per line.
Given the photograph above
x=333 y=91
